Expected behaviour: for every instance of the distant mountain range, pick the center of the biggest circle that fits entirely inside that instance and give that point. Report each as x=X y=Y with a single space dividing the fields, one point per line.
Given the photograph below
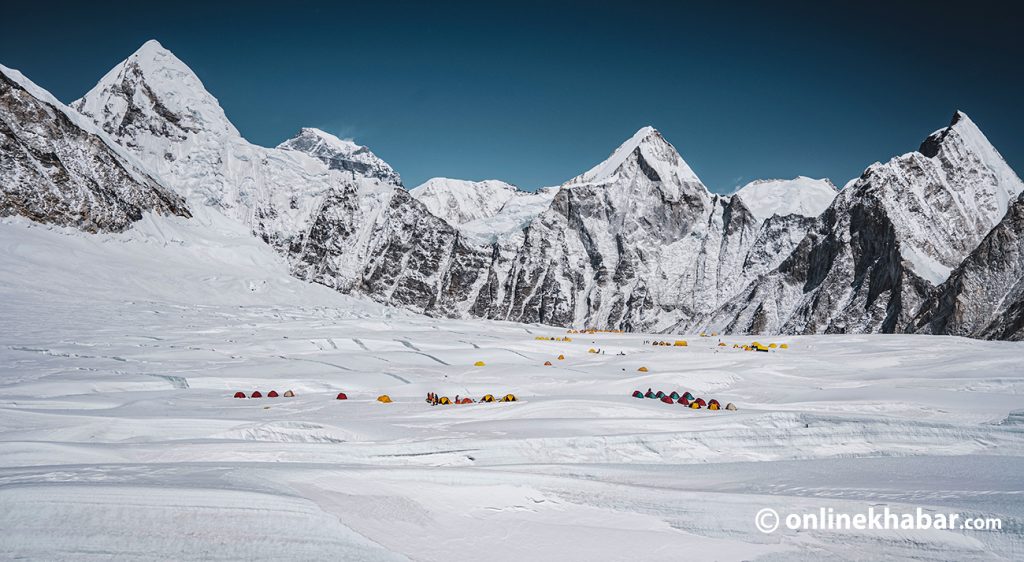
x=930 y=241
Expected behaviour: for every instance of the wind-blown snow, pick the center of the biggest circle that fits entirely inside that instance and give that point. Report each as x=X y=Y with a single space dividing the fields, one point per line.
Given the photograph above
x=799 y=196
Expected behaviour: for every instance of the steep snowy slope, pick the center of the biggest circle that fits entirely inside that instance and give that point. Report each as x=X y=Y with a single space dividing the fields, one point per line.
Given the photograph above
x=341 y=154
x=799 y=196
x=984 y=297
x=56 y=167
x=889 y=237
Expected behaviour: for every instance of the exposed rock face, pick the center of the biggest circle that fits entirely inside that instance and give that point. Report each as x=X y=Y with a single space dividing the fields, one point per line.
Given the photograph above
x=342 y=155
x=637 y=242
x=891 y=236
x=57 y=168
x=984 y=297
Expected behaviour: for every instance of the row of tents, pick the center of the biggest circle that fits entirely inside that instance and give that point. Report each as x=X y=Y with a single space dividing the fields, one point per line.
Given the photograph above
x=685 y=399
x=546 y=338
x=385 y=399
x=258 y=394
x=435 y=399
x=758 y=346
x=593 y=331
x=676 y=343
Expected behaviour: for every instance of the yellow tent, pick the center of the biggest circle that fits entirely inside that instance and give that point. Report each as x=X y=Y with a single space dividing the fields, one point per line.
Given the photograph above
x=772 y=345
x=721 y=344
x=487 y=398
x=784 y=346
x=591 y=350
x=755 y=344
x=680 y=343
x=509 y=398
x=642 y=369
x=695 y=405
x=760 y=347
x=444 y=400
x=561 y=357
x=384 y=398
x=479 y=364
x=567 y=339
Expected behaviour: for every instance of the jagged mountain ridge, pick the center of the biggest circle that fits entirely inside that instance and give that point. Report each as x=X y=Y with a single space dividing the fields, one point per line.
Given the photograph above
x=636 y=242
x=871 y=260
x=57 y=168
x=344 y=225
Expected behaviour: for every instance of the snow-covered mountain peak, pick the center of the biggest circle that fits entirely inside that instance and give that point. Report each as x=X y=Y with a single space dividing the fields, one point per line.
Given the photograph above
x=341 y=154
x=646 y=154
x=462 y=201
x=962 y=141
x=155 y=90
x=648 y=142
x=801 y=196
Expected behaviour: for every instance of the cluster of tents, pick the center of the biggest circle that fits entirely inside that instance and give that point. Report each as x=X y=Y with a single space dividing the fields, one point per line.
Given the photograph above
x=685 y=399
x=258 y=394
x=434 y=399
x=546 y=338
x=758 y=346
x=560 y=358
x=593 y=331
x=677 y=343
x=707 y=335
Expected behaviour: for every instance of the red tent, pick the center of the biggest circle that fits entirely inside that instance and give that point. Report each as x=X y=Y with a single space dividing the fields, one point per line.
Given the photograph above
x=666 y=399
x=701 y=402
x=239 y=394
x=342 y=396
x=256 y=394
x=272 y=394
x=682 y=400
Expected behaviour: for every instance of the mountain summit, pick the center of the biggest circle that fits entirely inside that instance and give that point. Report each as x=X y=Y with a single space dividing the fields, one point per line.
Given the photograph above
x=341 y=154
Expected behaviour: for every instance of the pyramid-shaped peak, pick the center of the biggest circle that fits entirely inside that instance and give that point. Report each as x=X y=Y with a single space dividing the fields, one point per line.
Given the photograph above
x=160 y=91
x=651 y=153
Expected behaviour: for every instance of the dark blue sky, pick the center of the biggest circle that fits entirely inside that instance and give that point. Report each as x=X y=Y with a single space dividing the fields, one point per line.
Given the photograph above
x=535 y=92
